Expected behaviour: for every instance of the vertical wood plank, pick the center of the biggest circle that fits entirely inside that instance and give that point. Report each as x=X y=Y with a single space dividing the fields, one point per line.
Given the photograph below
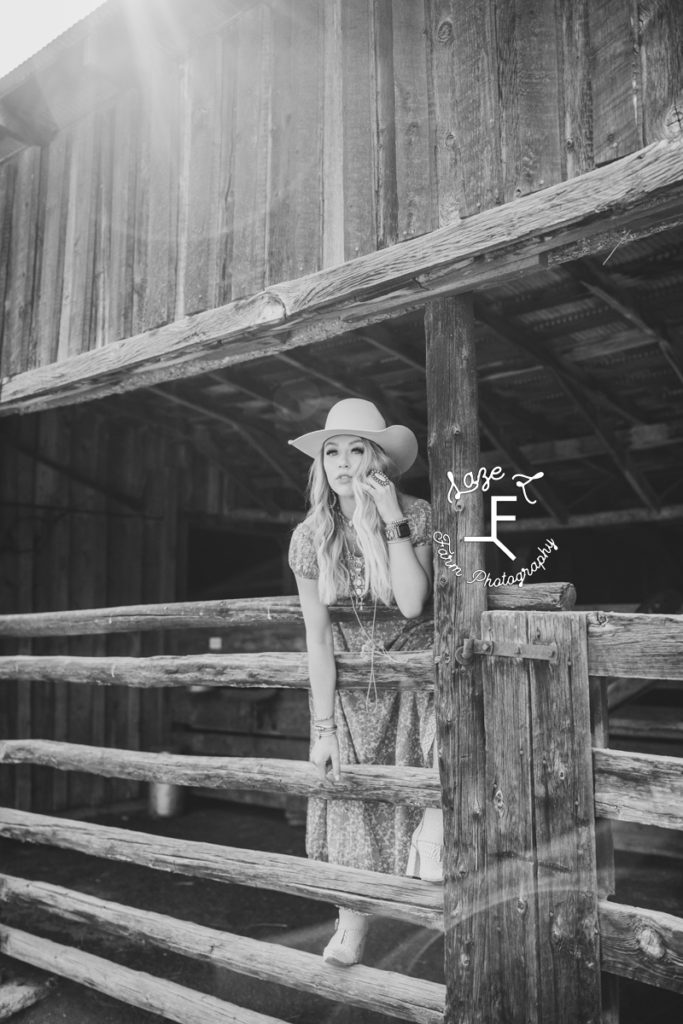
x=360 y=232
x=48 y=302
x=9 y=581
x=528 y=75
x=511 y=873
x=384 y=138
x=471 y=33
x=28 y=524
x=661 y=54
x=415 y=171
x=565 y=822
x=124 y=172
x=88 y=590
x=333 y=137
x=8 y=173
x=577 y=98
x=614 y=73
x=604 y=846
x=447 y=183
x=21 y=259
x=203 y=173
x=153 y=701
x=252 y=149
x=454 y=445
x=100 y=320
x=295 y=221
x=75 y=320
x=161 y=139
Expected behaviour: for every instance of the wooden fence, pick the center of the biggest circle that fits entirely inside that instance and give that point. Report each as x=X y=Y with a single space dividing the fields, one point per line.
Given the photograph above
x=546 y=915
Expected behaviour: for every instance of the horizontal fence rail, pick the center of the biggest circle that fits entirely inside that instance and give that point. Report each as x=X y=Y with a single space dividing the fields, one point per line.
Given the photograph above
x=158 y=995
x=641 y=646
x=394 y=896
x=250 y=611
x=414 y=786
x=288 y=670
x=382 y=991
x=645 y=945
x=645 y=788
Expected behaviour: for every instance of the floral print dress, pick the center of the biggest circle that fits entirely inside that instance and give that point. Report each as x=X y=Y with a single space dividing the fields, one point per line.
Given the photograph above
x=393 y=729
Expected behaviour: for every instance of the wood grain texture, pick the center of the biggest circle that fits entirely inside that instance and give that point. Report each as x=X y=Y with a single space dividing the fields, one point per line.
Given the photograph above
x=360 y=213
x=576 y=100
x=382 y=991
x=615 y=73
x=404 y=671
x=565 y=823
x=388 y=895
x=512 y=926
x=645 y=788
x=252 y=167
x=161 y=996
x=295 y=200
x=527 y=75
x=415 y=165
x=644 y=646
x=646 y=945
x=550 y=221
x=454 y=446
x=447 y=182
x=412 y=786
x=237 y=612
x=661 y=58
x=19 y=282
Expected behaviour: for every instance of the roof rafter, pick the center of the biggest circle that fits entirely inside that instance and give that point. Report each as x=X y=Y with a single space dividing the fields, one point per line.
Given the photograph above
x=566 y=376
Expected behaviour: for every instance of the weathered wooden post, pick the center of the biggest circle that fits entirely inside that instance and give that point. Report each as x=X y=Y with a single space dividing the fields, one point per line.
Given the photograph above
x=454 y=445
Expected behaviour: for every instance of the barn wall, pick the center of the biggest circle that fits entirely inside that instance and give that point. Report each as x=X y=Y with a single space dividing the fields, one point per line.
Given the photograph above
x=65 y=545
x=303 y=134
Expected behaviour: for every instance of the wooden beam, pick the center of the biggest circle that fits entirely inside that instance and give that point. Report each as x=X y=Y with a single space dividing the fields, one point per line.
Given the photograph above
x=20 y=989
x=595 y=280
x=418 y=787
x=24 y=128
x=405 y=899
x=645 y=945
x=647 y=646
x=586 y=214
x=236 y=613
x=245 y=430
x=454 y=446
x=617 y=517
x=386 y=992
x=546 y=494
x=167 y=998
x=646 y=788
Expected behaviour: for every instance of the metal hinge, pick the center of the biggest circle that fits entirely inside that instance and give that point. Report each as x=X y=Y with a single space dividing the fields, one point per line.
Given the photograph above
x=505 y=649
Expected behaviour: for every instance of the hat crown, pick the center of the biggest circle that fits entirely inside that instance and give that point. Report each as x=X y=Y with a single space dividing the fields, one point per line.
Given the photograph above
x=352 y=414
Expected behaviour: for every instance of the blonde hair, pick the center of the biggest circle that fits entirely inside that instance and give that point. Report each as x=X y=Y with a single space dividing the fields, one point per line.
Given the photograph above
x=328 y=536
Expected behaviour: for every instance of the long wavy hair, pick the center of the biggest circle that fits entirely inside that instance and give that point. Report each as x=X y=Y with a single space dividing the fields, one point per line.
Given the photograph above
x=328 y=534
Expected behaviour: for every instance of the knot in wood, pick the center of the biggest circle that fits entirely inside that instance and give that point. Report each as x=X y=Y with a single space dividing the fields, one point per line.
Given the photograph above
x=449 y=143
x=650 y=941
x=499 y=803
x=522 y=906
x=444 y=32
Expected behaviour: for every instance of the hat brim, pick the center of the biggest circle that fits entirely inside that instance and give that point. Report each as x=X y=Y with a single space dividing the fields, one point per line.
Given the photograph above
x=398 y=442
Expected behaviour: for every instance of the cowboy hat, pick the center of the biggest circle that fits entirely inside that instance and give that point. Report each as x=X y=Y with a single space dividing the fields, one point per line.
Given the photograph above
x=362 y=419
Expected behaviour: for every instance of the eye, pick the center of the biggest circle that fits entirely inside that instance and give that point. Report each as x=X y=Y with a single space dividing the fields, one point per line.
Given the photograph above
x=358 y=450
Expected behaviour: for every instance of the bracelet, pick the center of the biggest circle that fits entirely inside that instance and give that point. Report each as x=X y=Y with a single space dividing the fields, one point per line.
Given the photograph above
x=329 y=731
x=397 y=531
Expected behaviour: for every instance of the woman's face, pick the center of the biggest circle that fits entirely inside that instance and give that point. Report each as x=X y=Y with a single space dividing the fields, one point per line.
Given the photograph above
x=342 y=457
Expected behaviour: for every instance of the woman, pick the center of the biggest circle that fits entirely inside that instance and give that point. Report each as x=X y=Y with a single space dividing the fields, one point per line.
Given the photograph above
x=365 y=541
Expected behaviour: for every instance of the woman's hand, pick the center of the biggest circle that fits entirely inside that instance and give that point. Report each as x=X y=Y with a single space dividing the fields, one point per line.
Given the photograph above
x=326 y=751
x=383 y=493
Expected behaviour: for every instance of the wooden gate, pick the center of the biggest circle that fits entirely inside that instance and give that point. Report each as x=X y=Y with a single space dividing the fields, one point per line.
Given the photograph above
x=545 y=917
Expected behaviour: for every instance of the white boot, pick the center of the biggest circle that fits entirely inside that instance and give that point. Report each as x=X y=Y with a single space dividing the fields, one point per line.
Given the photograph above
x=347 y=944
x=425 y=859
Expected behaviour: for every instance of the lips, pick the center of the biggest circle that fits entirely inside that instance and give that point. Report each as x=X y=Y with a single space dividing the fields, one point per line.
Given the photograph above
x=343 y=478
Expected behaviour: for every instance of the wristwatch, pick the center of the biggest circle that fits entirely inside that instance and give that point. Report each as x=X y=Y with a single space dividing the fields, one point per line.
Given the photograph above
x=397 y=531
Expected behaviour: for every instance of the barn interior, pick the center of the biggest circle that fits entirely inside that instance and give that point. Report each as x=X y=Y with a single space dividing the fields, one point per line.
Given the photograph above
x=135 y=195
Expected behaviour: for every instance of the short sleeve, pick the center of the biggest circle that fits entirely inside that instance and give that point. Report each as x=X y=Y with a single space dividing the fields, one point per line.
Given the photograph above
x=419 y=517
x=302 y=557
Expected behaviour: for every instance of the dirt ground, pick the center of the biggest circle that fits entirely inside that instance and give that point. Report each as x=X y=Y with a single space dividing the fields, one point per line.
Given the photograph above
x=260 y=914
